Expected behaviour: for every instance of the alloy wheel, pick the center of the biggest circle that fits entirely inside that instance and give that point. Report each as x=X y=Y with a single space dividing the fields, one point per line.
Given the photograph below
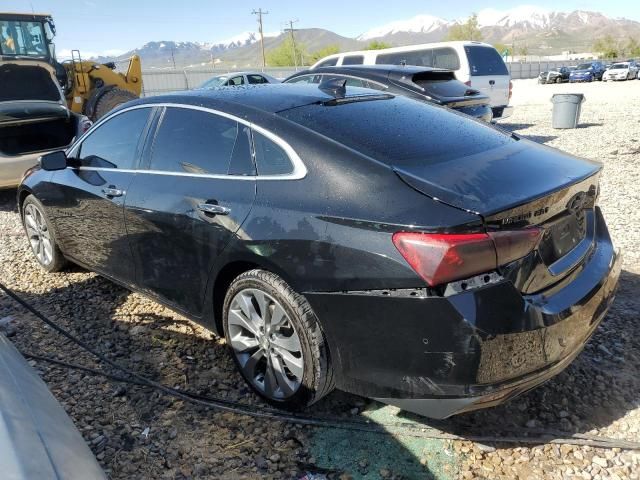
x=265 y=343
x=39 y=234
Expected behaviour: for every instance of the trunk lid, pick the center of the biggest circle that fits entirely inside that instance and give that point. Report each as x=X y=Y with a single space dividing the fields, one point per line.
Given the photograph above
x=517 y=186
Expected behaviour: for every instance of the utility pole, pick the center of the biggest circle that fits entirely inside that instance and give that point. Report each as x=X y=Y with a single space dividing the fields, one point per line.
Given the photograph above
x=293 y=42
x=260 y=13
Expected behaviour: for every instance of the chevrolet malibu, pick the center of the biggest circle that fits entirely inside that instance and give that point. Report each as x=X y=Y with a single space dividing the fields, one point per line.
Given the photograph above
x=339 y=237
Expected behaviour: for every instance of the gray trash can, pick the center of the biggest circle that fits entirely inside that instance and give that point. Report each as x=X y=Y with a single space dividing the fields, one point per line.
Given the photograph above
x=566 y=109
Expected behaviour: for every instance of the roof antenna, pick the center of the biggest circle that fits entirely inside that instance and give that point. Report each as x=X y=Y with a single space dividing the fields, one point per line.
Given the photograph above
x=336 y=87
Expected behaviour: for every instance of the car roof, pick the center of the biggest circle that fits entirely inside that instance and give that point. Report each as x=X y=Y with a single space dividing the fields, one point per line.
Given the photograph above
x=380 y=72
x=269 y=98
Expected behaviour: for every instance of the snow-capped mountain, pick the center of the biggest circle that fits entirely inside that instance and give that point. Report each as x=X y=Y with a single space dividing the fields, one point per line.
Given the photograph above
x=538 y=30
x=417 y=24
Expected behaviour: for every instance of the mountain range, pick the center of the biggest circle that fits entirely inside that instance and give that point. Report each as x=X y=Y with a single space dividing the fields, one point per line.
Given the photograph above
x=538 y=31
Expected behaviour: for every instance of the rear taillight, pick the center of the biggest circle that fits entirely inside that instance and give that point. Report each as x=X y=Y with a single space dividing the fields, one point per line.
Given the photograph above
x=445 y=257
x=510 y=89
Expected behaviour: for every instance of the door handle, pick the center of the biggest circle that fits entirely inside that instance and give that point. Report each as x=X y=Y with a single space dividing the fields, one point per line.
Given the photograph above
x=112 y=192
x=492 y=82
x=213 y=209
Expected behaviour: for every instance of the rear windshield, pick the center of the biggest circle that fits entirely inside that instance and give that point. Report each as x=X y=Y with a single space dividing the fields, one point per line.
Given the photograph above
x=442 y=84
x=399 y=131
x=485 y=61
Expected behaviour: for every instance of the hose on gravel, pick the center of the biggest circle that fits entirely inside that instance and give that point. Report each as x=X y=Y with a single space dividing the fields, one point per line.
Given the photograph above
x=400 y=428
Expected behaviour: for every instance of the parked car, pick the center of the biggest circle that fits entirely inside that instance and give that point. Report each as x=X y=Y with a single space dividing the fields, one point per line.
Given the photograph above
x=477 y=64
x=559 y=75
x=37 y=437
x=542 y=77
x=620 y=71
x=587 y=72
x=421 y=83
x=238 y=78
x=34 y=117
x=339 y=237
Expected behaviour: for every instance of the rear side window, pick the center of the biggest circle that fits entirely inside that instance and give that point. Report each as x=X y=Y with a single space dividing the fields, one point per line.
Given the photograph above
x=399 y=131
x=192 y=141
x=114 y=144
x=353 y=60
x=305 y=79
x=254 y=79
x=445 y=57
x=328 y=63
x=271 y=159
x=485 y=61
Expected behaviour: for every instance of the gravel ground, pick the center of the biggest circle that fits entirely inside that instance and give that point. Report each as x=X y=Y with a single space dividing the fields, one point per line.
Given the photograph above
x=136 y=432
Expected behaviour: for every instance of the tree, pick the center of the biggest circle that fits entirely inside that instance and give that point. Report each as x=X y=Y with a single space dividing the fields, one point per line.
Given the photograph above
x=377 y=45
x=282 y=55
x=501 y=48
x=524 y=51
x=633 y=47
x=468 y=30
x=607 y=47
x=323 y=52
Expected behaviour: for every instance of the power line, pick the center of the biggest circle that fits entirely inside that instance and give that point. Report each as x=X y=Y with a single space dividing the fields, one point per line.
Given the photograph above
x=293 y=41
x=260 y=13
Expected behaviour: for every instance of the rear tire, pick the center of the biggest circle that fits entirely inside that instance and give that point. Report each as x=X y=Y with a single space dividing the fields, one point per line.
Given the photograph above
x=110 y=100
x=276 y=341
x=41 y=236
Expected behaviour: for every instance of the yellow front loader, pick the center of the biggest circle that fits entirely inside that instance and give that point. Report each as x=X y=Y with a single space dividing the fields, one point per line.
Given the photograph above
x=96 y=88
x=90 y=88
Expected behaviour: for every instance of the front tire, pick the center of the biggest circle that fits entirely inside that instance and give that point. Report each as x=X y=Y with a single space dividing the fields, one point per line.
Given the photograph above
x=41 y=236
x=276 y=341
x=110 y=100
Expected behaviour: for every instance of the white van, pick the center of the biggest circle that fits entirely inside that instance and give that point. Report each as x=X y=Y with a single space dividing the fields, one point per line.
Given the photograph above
x=477 y=64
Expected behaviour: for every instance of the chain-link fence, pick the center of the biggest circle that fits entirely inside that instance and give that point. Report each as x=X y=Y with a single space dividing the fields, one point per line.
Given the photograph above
x=157 y=82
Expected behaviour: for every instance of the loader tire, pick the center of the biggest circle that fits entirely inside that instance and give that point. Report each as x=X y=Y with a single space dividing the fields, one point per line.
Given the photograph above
x=110 y=100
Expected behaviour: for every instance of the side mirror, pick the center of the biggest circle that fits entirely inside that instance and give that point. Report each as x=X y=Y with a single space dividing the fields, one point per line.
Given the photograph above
x=53 y=161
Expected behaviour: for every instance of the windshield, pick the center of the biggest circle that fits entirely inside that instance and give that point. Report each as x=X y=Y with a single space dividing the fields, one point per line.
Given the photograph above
x=22 y=39
x=619 y=66
x=584 y=66
x=215 y=82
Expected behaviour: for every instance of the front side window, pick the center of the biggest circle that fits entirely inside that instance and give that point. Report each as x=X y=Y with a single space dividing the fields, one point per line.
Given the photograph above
x=256 y=79
x=271 y=159
x=114 y=144
x=193 y=141
x=353 y=60
x=236 y=81
x=22 y=38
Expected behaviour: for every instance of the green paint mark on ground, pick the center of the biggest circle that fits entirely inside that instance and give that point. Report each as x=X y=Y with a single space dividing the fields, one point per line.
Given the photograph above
x=368 y=455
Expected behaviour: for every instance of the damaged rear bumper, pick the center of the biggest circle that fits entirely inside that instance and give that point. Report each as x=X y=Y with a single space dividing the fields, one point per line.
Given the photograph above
x=443 y=355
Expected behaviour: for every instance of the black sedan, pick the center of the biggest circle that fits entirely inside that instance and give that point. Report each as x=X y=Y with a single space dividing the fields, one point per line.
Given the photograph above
x=559 y=75
x=420 y=83
x=339 y=237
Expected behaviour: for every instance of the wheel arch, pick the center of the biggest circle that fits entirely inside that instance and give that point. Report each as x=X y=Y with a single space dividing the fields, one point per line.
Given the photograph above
x=223 y=277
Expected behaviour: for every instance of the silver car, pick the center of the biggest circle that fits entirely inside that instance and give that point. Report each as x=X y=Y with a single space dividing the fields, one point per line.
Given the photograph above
x=34 y=118
x=238 y=78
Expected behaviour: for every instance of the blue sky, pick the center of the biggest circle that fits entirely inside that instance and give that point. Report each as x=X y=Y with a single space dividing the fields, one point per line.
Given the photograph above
x=98 y=26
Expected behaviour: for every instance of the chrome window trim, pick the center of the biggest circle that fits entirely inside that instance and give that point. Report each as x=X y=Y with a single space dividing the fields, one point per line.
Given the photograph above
x=341 y=75
x=299 y=168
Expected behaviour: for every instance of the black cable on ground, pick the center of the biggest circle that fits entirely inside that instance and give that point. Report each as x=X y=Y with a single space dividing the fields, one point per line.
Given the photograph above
x=274 y=414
